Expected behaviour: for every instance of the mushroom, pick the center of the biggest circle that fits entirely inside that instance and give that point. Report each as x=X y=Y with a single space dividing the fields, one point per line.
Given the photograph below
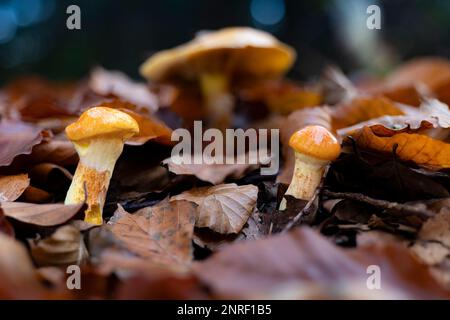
x=98 y=136
x=214 y=59
x=315 y=147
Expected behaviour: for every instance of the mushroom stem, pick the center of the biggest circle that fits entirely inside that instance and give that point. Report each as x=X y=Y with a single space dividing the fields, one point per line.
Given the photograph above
x=91 y=180
x=218 y=100
x=308 y=172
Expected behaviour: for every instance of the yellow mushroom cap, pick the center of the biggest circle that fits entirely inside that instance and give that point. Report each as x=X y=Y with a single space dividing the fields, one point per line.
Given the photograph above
x=101 y=121
x=316 y=142
x=237 y=50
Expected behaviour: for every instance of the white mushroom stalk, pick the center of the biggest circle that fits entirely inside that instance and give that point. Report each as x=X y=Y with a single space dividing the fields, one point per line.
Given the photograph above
x=98 y=137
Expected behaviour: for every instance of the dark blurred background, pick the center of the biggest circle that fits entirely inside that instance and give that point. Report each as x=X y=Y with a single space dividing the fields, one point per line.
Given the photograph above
x=121 y=34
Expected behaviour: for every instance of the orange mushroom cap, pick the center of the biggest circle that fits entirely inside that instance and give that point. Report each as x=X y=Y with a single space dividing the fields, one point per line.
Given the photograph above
x=317 y=142
x=100 y=121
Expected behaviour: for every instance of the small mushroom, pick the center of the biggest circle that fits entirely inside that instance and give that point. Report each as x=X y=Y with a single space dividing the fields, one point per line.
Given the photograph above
x=215 y=59
x=315 y=147
x=98 y=136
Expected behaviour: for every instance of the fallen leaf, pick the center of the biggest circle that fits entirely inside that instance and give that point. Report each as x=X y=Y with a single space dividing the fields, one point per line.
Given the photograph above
x=58 y=152
x=431 y=114
x=40 y=214
x=281 y=96
x=116 y=83
x=421 y=149
x=35 y=195
x=336 y=87
x=5 y=226
x=19 y=280
x=217 y=173
x=362 y=108
x=223 y=208
x=11 y=187
x=64 y=247
x=264 y=268
x=162 y=233
x=432 y=245
x=17 y=138
x=149 y=128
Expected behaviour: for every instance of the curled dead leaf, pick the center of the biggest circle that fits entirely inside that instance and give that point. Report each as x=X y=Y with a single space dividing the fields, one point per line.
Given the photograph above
x=285 y=265
x=162 y=233
x=117 y=84
x=17 y=138
x=223 y=208
x=217 y=173
x=11 y=187
x=40 y=214
x=418 y=148
x=64 y=247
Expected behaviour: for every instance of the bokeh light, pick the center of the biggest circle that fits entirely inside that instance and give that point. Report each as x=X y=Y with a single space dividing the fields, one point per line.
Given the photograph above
x=268 y=12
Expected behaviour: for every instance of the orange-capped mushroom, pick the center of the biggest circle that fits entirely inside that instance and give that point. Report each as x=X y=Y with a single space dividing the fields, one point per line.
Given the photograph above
x=98 y=136
x=315 y=147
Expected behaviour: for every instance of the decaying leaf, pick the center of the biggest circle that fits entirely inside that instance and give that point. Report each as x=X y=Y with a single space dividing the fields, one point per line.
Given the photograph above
x=283 y=266
x=362 y=109
x=149 y=128
x=11 y=187
x=40 y=214
x=217 y=173
x=280 y=96
x=223 y=208
x=17 y=138
x=433 y=243
x=117 y=84
x=418 y=148
x=19 y=280
x=162 y=233
x=64 y=247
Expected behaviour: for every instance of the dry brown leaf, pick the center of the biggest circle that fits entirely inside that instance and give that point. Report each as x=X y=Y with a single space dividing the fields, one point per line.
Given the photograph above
x=5 y=226
x=36 y=98
x=11 y=187
x=418 y=148
x=19 y=280
x=295 y=121
x=217 y=173
x=432 y=245
x=117 y=84
x=223 y=208
x=58 y=152
x=431 y=114
x=283 y=266
x=162 y=233
x=35 y=195
x=64 y=247
x=281 y=96
x=40 y=214
x=362 y=108
x=149 y=128
x=17 y=138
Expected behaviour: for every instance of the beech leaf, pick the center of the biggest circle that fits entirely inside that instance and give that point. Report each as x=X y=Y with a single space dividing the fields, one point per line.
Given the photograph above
x=64 y=247
x=224 y=208
x=44 y=215
x=162 y=233
x=11 y=187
